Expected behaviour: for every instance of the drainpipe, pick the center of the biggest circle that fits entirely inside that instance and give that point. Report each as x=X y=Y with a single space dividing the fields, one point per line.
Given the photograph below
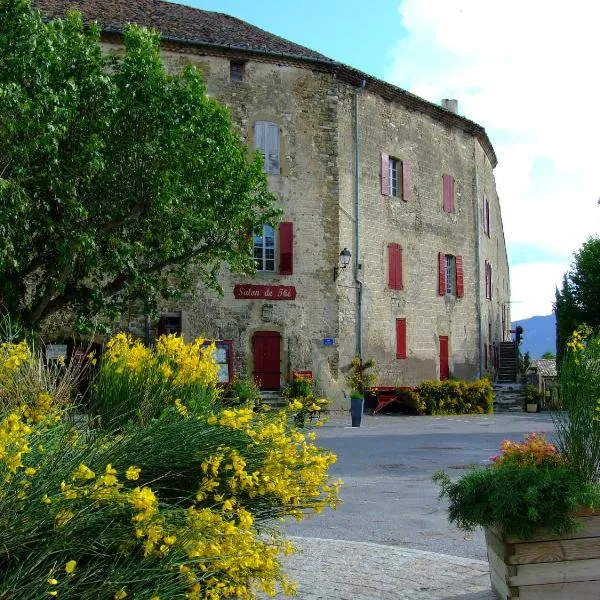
x=357 y=263
x=478 y=257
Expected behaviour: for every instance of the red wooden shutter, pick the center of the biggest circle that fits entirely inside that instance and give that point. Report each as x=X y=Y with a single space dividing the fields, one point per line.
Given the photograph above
x=486 y=279
x=441 y=274
x=460 y=286
x=406 y=184
x=445 y=193
x=395 y=267
x=485 y=356
x=448 y=192
x=400 y=338
x=286 y=248
x=385 y=174
x=444 y=364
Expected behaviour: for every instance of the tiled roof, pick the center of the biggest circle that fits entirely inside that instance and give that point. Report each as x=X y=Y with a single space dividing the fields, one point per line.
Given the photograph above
x=179 y=22
x=546 y=367
x=183 y=24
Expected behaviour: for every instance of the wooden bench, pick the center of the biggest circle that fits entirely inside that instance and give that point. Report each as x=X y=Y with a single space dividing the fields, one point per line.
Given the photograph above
x=386 y=395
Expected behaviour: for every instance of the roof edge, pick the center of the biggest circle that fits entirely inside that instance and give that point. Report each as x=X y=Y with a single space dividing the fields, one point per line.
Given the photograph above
x=354 y=77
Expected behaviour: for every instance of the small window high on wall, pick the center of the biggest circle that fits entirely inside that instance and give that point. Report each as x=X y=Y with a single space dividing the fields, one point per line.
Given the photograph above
x=395 y=177
x=236 y=71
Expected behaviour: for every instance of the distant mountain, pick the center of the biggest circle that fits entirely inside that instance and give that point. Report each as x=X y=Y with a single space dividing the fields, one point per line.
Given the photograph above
x=539 y=335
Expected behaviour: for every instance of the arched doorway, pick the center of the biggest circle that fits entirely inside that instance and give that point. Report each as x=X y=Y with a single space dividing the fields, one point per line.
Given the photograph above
x=266 y=353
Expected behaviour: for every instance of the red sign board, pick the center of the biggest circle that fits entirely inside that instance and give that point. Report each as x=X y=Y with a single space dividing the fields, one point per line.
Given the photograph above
x=264 y=292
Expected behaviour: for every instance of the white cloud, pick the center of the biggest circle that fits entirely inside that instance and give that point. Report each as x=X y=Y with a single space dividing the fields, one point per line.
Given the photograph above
x=526 y=71
x=533 y=287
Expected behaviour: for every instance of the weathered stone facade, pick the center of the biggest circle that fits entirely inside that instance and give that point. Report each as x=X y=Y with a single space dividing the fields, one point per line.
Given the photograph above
x=335 y=123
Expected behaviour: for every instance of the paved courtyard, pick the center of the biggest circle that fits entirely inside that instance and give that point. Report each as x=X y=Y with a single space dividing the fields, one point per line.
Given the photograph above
x=391 y=538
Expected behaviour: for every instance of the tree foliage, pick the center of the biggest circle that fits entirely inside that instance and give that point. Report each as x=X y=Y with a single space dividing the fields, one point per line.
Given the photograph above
x=119 y=183
x=577 y=303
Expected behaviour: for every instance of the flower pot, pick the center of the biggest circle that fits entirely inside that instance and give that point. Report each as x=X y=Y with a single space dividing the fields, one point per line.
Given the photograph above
x=531 y=408
x=356 y=410
x=546 y=566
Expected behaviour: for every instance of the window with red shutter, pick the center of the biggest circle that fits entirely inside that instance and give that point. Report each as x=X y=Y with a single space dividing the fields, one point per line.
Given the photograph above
x=395 y=267
x=460 y=286
x=441 y=274
x=286 y=248
x=406 y=184
x=448 y=193
x=385 y=174
x=400 y=338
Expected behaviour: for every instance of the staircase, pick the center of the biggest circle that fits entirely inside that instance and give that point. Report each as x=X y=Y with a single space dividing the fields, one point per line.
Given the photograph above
x=508 y=397
x=508 y=363
x=272 y=399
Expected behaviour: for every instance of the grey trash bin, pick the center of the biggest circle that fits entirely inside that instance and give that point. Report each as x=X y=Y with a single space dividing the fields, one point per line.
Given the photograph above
x=356 y=409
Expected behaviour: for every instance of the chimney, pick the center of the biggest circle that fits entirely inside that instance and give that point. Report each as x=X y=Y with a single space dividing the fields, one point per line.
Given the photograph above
x=450 y=105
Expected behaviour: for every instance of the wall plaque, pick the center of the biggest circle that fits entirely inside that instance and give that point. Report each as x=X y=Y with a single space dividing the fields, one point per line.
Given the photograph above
x=264 y=292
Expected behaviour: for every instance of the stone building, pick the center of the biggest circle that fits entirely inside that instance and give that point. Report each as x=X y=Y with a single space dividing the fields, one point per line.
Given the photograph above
x=360 y=166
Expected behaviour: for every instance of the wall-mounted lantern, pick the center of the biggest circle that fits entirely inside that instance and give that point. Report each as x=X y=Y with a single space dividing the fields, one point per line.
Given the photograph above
x=344 y=262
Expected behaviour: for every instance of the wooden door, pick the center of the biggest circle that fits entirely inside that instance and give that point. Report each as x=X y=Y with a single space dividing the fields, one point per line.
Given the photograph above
x=444 y=370
x=266 y=350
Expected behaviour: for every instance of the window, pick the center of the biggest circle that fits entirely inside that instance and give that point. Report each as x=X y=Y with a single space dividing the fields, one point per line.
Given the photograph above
x=450 y=275
x=264 y=249
x=236 y=71
x=448 y=193
x=266 y=141
x=450 y=266
x=401 y=338
x=486 y=217
x=395 y=267
x=488 y=280
x=169 y=324
x=394 y=168
x=395 y=177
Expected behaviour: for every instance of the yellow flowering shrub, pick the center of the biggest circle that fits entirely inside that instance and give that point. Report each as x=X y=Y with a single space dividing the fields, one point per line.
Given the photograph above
x=172 y=506
x=137 y=383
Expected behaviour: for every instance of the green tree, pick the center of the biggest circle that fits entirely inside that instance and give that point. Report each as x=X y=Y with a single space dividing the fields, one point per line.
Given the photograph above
x=119 y=183
x=577 y=302
x=549 y=355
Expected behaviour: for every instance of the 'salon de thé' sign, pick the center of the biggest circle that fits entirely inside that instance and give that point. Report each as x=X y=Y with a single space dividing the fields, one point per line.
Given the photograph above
x=264 y=292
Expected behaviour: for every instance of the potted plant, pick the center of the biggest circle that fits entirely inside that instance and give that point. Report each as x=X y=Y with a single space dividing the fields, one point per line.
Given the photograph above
x=532 y=399
x=538 y=500
x=359 y=379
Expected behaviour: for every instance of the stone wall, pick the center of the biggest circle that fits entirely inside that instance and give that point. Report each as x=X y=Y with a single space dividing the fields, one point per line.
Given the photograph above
x=317 y=192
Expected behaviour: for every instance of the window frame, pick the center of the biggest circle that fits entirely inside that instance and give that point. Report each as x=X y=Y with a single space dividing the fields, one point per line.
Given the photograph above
x=237 y=66
x=262 y=266
x=268 y=163
x=394 y=176
x=450 y=274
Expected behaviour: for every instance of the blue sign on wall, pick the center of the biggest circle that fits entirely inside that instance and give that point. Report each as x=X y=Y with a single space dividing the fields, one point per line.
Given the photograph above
x=327 y=341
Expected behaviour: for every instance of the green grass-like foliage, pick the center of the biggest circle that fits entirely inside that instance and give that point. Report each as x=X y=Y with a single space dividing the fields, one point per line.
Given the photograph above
x=518 y=499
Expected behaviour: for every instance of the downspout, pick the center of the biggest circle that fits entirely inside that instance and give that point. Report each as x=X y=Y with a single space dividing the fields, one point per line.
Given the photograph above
x=478 y=257
x=357 y=263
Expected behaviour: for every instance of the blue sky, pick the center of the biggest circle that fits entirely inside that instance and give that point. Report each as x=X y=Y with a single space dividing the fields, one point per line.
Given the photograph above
x=530 y=81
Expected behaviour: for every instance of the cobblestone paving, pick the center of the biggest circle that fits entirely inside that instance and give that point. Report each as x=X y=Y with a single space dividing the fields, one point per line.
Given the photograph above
x=341 y=570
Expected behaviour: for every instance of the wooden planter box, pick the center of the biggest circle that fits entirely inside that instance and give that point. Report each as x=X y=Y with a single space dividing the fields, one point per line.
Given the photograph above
x=547 y=567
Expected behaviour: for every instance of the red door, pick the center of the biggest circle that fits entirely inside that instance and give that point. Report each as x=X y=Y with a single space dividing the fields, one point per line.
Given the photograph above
x=444 y=371
x=266 y=350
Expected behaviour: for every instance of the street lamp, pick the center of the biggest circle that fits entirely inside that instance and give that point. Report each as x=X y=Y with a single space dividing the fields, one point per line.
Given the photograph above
x=345 y=257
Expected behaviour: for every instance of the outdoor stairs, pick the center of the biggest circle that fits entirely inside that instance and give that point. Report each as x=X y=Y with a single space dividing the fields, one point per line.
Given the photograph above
x=272 y=399
x=508 y=363
x=508 y=397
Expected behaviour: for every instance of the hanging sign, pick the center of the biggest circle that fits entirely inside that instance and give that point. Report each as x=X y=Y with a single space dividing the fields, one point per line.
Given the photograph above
x=264 y=292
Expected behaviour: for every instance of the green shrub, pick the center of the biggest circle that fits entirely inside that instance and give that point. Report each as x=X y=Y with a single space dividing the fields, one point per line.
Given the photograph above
x=456 y=397
x=518 y=499
x=241 y=391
